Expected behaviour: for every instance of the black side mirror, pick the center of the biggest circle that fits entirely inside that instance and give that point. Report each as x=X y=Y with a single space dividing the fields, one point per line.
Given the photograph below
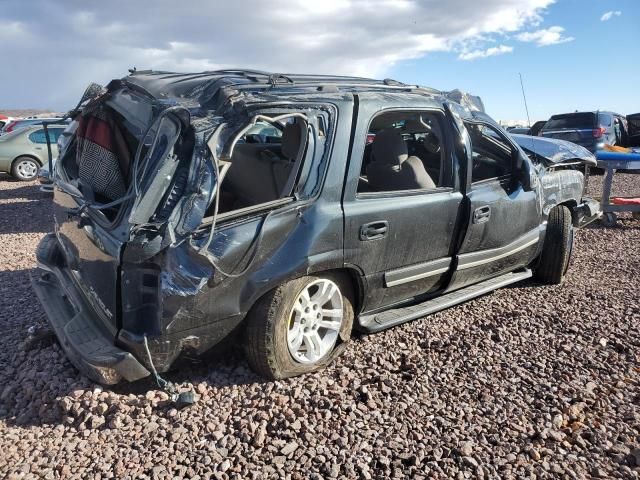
x=522 y=171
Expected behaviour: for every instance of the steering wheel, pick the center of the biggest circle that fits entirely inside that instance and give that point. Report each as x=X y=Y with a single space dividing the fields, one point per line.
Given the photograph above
x=431 y=143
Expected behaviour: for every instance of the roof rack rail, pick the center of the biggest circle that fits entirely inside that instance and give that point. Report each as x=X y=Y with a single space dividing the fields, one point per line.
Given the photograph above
x=262 y=86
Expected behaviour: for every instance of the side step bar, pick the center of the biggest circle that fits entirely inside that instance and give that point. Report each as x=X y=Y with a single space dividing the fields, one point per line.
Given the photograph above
x=390 y=318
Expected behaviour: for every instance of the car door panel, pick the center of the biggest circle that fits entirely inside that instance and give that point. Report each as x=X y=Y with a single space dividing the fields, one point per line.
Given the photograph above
x=503 y=228
x=408 y=250
x=414 y=255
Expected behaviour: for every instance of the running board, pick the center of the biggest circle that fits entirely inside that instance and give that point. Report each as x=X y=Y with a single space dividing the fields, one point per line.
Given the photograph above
x=389 y=318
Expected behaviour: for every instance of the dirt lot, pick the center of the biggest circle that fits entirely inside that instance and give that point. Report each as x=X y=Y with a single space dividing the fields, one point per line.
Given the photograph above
x=529 y=380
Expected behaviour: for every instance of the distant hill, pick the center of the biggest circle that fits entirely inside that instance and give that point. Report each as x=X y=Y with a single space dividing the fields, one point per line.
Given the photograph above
x=27 y=112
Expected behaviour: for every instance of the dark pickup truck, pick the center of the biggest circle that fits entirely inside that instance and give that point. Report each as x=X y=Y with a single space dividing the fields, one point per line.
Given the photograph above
x=283 y=211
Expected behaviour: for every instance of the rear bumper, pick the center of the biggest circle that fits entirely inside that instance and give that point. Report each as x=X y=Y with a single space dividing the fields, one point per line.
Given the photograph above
x=87 y=343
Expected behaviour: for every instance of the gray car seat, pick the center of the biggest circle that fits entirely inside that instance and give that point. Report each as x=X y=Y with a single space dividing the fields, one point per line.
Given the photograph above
x=392 y=168
x=258 y=174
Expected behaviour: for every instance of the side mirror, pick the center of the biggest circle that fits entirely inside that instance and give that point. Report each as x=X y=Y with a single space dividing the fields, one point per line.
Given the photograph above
x=525 y=173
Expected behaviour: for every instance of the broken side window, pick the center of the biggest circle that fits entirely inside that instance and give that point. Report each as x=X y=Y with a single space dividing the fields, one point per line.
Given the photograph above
x=266 y=159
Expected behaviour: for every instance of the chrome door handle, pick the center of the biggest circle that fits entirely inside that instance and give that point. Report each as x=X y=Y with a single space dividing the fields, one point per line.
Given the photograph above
x=373 y=230
x=482 y=214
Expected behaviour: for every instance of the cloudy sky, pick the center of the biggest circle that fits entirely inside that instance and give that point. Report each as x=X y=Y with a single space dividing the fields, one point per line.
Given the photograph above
x=573 y=54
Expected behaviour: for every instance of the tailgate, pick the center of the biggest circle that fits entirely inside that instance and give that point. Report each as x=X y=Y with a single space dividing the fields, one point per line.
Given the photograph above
x=92 y=256
x=573 y=127
x=132 y=181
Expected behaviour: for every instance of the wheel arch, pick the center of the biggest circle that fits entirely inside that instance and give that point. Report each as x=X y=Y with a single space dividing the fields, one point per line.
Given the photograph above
x=349 y=273
x=28 y=155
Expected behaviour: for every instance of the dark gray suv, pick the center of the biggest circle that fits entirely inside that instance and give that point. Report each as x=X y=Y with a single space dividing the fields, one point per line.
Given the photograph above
x=283 y=211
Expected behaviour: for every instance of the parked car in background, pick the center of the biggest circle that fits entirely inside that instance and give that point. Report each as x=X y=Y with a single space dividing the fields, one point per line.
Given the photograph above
x=24 y=151
x=45 y=174
x=533 y=130
x=3 y=121
x=592 y=130
x=17 y=124
x=536 y=127
x=633 y=130
x=169 y=250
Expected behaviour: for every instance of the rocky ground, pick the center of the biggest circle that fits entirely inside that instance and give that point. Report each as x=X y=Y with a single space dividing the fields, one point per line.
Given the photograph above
x=529 y=381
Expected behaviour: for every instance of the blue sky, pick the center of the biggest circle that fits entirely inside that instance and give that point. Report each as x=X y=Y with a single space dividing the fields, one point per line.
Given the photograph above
x=599 y=69
x=51 y=50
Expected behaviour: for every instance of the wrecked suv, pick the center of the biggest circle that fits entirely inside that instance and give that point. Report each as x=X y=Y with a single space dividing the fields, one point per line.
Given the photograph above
x=284 y=212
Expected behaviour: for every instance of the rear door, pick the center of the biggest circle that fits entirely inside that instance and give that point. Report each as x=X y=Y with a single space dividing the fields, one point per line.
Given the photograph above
x=400 y=239
x=578 y=128
x=503 y=218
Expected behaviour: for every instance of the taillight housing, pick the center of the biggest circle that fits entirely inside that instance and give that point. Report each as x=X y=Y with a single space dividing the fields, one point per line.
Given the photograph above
x=599 y=132
x=10 y=127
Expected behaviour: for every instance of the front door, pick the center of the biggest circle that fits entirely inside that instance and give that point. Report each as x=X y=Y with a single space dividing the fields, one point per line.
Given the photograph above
x=503 y=229
x=401 y=204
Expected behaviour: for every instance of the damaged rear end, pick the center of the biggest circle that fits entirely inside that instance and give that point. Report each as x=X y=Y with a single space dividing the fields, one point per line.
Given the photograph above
x=134 y=180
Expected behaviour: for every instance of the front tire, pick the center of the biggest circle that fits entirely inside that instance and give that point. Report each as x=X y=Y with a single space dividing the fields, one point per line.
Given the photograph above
x=554 y=259
x=25 y=169
x=299 y=326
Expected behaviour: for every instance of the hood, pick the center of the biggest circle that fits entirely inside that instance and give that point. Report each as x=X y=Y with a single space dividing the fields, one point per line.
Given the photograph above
x=553 y=151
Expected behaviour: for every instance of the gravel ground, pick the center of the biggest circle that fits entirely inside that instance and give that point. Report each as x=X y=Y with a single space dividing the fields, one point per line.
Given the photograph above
x=529 y=381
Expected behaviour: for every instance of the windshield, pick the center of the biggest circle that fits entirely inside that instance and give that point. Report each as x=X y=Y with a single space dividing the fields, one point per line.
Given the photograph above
x=571 y=120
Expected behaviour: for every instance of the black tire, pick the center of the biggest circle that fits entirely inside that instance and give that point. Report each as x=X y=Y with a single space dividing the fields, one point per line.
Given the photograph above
x=553 y=261
x=25 y=168
x=265 y=344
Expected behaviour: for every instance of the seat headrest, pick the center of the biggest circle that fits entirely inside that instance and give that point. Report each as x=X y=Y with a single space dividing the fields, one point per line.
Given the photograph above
x=413 y=125
x=389 y=147
x=293 y=139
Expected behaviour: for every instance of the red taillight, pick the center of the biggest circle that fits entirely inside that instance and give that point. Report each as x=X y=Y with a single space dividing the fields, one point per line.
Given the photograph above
x=599 y=132
x=9 y=128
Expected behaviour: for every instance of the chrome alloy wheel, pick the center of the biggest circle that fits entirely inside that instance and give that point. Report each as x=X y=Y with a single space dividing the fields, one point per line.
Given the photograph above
x=27 y=169
x=315 y=321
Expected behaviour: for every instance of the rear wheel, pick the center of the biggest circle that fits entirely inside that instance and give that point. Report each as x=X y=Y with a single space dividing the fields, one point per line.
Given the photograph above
x=25 y=168
x=297 y=327
x=553 y=262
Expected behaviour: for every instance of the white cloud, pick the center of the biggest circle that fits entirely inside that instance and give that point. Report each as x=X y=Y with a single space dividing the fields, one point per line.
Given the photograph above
x=609 y=15
x=9 y=30
x=545 y=37
x=76 y=41
x=489 y=52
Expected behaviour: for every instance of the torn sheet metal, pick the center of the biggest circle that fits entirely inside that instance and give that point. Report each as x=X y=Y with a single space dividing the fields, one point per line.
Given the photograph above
x=554 y=151
x=472 y=102
x=561 y=186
